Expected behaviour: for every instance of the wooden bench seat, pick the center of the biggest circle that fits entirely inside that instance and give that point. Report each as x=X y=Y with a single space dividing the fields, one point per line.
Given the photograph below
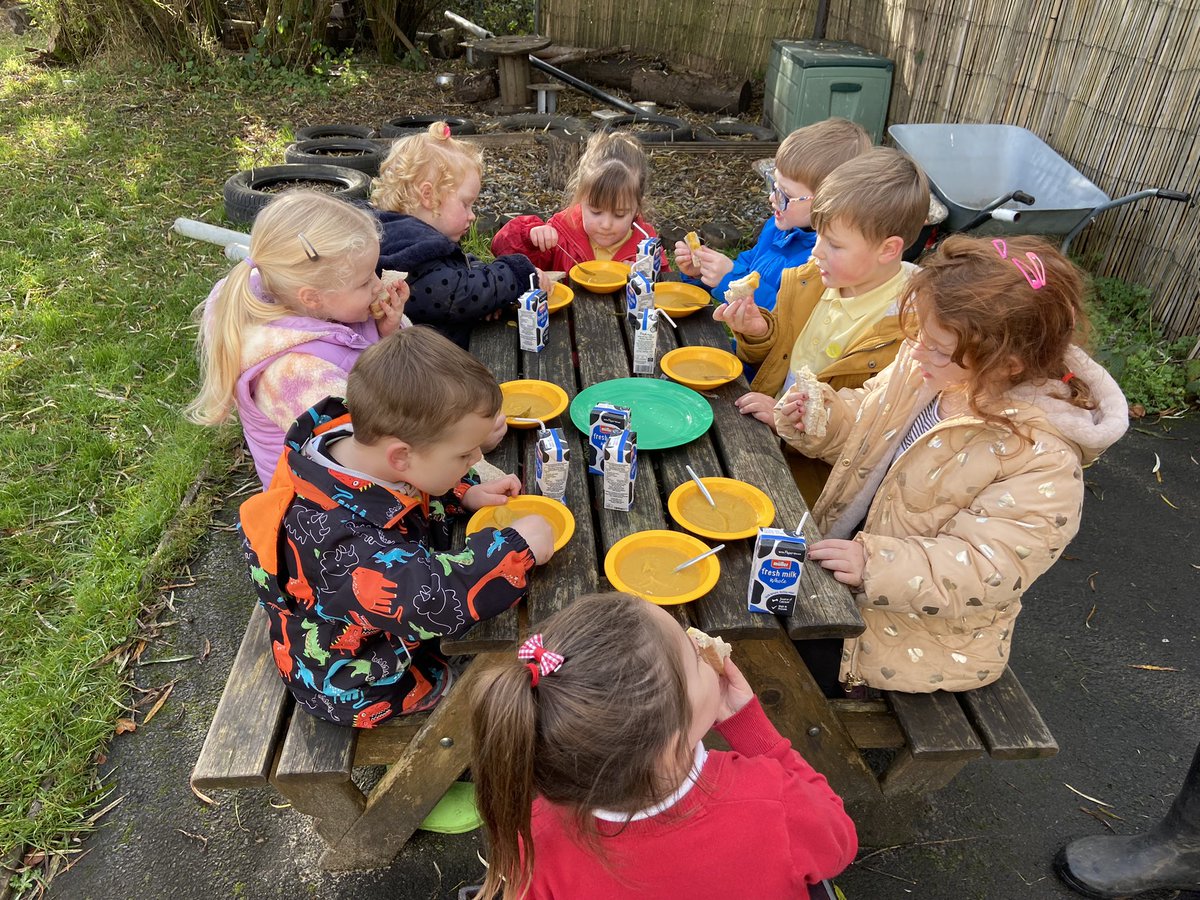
x=937 y=734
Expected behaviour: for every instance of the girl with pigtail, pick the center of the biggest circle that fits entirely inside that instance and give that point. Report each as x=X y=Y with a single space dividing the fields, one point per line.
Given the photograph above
x=282 y=330
x=423 y=200
x=958 y=470
x=593 y=782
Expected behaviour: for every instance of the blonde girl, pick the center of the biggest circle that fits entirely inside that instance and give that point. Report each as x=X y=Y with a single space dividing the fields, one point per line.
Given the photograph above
x=957 y=472
x=593 y=782
x=604 y=218
x=282 y=330
x=424 y=201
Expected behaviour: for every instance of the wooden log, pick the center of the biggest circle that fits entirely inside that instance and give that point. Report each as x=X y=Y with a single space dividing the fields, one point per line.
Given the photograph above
x=699 y=92
x=617 y=73
x=445 y=44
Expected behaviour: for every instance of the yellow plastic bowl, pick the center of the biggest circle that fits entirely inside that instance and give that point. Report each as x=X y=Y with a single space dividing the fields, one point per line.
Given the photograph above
x=530 y=399
x=645 y=553
x=726 y=492
x=559 y=517
x=701 y=368
x=600 y=276
x=560 y=297
x=680 y=299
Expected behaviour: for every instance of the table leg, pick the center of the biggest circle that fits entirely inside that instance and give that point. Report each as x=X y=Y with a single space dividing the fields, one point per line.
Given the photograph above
x=412 y=786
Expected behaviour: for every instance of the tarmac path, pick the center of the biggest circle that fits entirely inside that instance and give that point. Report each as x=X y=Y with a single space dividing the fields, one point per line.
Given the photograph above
x=1125 y=594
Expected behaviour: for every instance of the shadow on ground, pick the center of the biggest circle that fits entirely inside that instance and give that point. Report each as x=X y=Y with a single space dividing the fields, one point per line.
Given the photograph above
x=1125 y=595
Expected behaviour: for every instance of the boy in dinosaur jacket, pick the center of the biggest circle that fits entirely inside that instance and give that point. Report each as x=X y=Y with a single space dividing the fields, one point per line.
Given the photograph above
x=349 y=546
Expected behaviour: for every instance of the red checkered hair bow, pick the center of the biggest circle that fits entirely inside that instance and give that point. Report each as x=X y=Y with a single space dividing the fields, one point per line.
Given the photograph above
x=543 y=661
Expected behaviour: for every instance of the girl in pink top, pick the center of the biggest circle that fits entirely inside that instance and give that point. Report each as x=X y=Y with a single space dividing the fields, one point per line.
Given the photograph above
x=604 y=220
x=593 y=782
x=282 y=330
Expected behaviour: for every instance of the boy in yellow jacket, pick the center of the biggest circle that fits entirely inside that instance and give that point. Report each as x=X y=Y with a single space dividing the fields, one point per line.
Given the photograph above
x=836 y=314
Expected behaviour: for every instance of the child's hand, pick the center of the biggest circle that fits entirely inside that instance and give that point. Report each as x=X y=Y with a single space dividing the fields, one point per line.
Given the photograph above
x=499 y=429
x=390 y=305
x=546 y=284
x=743 y=316
x=492 y=493
x=847 y=560
x=714 y=265
x=735 y=691
x=791 y=409
x=544 y=237
x=538 y=535
x=758 y=405
x=684 y=261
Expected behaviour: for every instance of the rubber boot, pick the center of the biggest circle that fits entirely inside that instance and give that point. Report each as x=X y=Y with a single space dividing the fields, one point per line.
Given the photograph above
x=1166 y=857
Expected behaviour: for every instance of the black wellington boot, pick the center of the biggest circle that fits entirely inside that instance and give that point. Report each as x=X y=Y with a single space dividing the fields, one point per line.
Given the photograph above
x=1166 y=857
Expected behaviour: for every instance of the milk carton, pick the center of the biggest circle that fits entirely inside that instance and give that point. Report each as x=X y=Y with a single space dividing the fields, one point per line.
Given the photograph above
x=552 y=459
x=639 y=295
x=606 y=420
x=620 y=470
x=645 y=341
x=775 y=571
x=648 y=261
x=533 y=319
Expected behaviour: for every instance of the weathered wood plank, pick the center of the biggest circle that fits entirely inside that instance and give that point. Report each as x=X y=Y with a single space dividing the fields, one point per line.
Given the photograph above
x=870 y=722
x=313 y=774
x=934 y=726
x=239 y=749
x=1007 y=720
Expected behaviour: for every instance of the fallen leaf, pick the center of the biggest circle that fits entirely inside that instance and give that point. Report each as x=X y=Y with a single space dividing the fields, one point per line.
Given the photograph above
x=1157 y=470
x=1095 y=814
x=125 y=725
x=207 y=650
x=203 y=796
x=195 y=837
x=1087 y=623
x=1168 y=502
x=34 y=858
x=1092 y=580
x=1085 y=796
x=158 y=703
x=96 y=816
x=1137 y=411
x=1150 y=668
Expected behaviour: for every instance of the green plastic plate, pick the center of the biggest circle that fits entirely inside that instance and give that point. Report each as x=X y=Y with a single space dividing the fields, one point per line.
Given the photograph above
x=664 y=414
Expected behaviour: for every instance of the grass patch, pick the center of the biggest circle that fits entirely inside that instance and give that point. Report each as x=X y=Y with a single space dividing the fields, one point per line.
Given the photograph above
x=96 y=362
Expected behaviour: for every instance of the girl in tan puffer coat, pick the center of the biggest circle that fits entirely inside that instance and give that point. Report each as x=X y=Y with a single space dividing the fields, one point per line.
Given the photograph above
x=957 y=471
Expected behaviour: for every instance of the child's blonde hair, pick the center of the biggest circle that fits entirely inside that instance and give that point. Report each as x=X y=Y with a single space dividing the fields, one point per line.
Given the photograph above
x=809 y=154
x=300 y=239
x=612 y=173
x=879 y=194
x=591 y=735
x=434 y=157
x=416 y=385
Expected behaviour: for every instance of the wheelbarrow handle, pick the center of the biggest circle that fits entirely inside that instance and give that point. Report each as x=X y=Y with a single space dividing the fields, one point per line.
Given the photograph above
x=1165 y=193
x=1168 y=194
x=1022 y=197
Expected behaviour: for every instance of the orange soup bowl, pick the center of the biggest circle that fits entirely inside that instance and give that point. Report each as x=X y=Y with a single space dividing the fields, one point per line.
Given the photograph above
x=701 y=368
x=562 y=522
x=560 y=296
x=643 y=564
x=526 y=400
x=679 y=299
x=600 y=276
x=741 y=509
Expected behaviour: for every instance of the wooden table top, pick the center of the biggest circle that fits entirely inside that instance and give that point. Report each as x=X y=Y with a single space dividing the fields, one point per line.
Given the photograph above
x=589 y=342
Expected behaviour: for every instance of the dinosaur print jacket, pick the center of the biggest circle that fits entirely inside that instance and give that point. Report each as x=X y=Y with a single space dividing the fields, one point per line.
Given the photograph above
x=357 y=579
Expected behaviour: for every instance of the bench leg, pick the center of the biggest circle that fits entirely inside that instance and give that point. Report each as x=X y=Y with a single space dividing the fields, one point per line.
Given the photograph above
x=907 y=775
x=333 y=806
x=414 y=784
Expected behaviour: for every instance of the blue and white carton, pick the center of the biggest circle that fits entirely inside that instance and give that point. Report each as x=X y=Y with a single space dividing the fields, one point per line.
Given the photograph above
x=639 y=295
x=620 y=470
x=606 y=420
x=648 y=260
x=645 y=342
x=533 y=319
x=552 y=460
x=775 y=570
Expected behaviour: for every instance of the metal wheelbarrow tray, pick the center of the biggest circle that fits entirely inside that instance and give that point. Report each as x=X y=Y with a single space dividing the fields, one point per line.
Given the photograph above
x=969 y=166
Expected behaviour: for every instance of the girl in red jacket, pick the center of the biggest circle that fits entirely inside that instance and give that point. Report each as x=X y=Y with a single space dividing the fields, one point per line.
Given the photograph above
x=604 y=220
x=593 y=782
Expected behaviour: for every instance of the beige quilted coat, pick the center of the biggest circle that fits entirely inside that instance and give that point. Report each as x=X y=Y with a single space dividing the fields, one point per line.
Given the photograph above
x=960 y=525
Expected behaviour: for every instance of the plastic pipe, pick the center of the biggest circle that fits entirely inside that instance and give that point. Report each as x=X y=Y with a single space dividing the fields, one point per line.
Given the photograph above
x=468 y=25
x=1006 y=215
x=214 y=234
x=236 y=252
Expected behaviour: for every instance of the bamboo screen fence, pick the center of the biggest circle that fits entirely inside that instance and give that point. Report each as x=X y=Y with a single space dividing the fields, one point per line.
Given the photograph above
x=1113 y=87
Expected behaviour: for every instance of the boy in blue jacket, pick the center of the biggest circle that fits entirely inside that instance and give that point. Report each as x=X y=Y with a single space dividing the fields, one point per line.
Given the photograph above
x=803 y=161
x=349 y=547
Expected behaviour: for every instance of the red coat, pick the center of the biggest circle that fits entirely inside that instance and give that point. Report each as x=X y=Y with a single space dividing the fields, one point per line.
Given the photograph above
x=760 y=822
x=573 y=244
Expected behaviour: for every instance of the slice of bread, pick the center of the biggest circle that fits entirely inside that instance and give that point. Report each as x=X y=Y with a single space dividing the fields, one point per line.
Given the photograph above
x=713 y=650
x=816 y=417
x=742 y=287
x=388 y=276
x=693 y=241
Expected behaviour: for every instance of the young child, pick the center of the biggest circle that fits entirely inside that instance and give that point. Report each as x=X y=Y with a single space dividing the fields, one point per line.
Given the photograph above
x=592 y=780
x=841 y=325
x=960 y=479
x=803 y=162
x=423 y=197
x=283 y=329
x=604 y=219
x=349 y=545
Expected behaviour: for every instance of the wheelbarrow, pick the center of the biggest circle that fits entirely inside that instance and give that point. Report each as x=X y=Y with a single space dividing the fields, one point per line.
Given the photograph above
x=1002 y=179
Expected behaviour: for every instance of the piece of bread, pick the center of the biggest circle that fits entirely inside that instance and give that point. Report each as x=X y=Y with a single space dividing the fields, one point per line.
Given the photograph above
x=742 y=287
x=388 y=276
x=693 y=241
x=713 y=650
x=808 y=386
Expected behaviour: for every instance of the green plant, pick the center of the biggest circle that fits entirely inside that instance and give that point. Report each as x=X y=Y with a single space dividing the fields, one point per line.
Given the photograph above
x=1154 y=372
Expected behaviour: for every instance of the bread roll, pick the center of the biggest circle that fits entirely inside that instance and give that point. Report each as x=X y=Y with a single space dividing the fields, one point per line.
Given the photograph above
x=388 y=277
x=693 y=241
x=808 y=386
x=713 y=650
x=742 y=287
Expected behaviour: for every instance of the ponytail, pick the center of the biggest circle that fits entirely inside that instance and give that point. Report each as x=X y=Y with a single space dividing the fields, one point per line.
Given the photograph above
x=504 y=729
x=432 y=156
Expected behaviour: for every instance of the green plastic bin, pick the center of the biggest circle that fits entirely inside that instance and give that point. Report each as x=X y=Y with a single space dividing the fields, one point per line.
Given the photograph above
x=808 y=81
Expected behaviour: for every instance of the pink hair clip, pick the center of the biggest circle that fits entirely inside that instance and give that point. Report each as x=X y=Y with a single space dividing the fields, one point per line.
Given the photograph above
x=1033 y=270
x=544 y=662
x=445 y=132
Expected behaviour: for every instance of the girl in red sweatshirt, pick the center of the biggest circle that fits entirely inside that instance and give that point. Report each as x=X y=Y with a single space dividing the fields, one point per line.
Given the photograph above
x=593 y=781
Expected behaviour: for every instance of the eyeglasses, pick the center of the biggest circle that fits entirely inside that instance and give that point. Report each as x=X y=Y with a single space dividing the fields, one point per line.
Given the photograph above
x=937 y=357
x=778 y=197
